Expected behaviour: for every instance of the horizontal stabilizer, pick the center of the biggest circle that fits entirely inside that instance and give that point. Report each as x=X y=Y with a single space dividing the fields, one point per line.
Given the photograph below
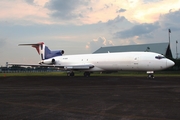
x=35 y=44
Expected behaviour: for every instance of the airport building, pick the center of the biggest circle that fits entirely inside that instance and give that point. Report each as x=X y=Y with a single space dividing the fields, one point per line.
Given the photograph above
x=162 y=48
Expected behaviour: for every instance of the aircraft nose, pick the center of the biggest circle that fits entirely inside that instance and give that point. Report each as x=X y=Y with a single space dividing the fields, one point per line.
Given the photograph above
x=169 y=63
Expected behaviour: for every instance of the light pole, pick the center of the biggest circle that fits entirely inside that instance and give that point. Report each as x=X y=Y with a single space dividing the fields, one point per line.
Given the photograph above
x=176 y=50
x=169 y=31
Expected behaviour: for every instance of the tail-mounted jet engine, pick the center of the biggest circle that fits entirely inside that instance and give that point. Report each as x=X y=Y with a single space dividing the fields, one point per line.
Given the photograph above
x=50 y=54
x=53 y=61
x=49 y=61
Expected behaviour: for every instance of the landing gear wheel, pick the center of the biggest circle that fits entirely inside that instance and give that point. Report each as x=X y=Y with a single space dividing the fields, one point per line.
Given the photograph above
x=70 y=74
x=86 y=74
x=150 y=76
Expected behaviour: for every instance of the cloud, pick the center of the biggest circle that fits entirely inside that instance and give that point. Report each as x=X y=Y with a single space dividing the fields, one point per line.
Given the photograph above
x=66 y=9
x=150 y=1
x=116 y=20
x=117 y=24
x=121 y=10
x=97 y=43
x=30 y=1
x=150 y=32
x=138 y=30
x=171 y=20
x=83 y=11
x=23 y=12
x=148 y=11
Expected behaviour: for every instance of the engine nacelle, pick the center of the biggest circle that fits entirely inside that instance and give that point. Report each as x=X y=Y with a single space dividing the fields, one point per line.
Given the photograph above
x=53 y=61
x=54 y=53
x=57 y=52
x=49 y=61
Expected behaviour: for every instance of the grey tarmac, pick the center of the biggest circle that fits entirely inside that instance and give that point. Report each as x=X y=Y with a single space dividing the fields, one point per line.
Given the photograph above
x=89 y=98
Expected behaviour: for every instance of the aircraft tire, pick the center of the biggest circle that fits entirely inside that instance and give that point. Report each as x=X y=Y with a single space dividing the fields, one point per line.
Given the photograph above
x=86 y=74
x=150 y=76
x=70 y=74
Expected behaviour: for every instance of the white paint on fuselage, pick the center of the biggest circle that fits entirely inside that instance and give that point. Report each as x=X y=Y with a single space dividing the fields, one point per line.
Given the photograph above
x=142 y=61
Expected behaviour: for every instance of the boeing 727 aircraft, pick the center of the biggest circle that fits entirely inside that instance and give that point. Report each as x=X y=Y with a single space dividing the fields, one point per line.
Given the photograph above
x=134 y=61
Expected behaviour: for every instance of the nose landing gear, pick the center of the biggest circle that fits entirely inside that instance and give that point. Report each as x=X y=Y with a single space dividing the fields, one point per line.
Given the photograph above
x=150 y=74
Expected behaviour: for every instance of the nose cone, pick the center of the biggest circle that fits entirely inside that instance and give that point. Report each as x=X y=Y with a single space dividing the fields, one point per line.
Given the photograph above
x=169 y=63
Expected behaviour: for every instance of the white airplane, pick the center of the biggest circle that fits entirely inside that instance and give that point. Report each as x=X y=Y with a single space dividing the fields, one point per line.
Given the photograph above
x=127 y=61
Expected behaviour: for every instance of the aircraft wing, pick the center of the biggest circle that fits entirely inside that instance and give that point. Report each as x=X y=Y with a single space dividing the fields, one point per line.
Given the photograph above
x=67 y=67
x=32 y=65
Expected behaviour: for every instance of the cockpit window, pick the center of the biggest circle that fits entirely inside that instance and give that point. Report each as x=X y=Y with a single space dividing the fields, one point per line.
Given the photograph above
x=159 y=57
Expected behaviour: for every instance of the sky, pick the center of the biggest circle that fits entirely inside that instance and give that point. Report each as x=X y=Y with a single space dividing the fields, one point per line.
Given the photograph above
x=83 y=26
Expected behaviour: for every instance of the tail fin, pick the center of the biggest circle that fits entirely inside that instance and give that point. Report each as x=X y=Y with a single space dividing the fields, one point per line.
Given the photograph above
x=44 y=51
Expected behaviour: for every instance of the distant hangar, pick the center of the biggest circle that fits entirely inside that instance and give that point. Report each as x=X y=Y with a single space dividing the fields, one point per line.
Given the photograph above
x=162 y=48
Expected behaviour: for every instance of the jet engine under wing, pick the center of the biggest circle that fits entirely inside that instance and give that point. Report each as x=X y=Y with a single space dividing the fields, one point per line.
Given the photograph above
x=68 y=67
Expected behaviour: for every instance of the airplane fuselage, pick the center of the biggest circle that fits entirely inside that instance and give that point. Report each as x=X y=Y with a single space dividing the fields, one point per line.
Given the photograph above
x=141 y=61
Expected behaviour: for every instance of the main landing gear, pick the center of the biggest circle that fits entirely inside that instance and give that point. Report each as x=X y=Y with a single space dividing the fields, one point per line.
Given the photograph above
x=71 y=74
x=87 y=74
x=150 y=74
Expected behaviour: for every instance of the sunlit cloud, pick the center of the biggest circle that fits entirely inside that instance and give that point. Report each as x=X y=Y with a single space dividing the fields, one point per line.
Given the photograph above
x=21 y=11
x=84 y=12
x=149 y=12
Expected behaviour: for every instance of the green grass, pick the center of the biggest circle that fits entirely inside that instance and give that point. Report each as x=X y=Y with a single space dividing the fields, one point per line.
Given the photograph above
x=120 y=73
x=33 y=74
